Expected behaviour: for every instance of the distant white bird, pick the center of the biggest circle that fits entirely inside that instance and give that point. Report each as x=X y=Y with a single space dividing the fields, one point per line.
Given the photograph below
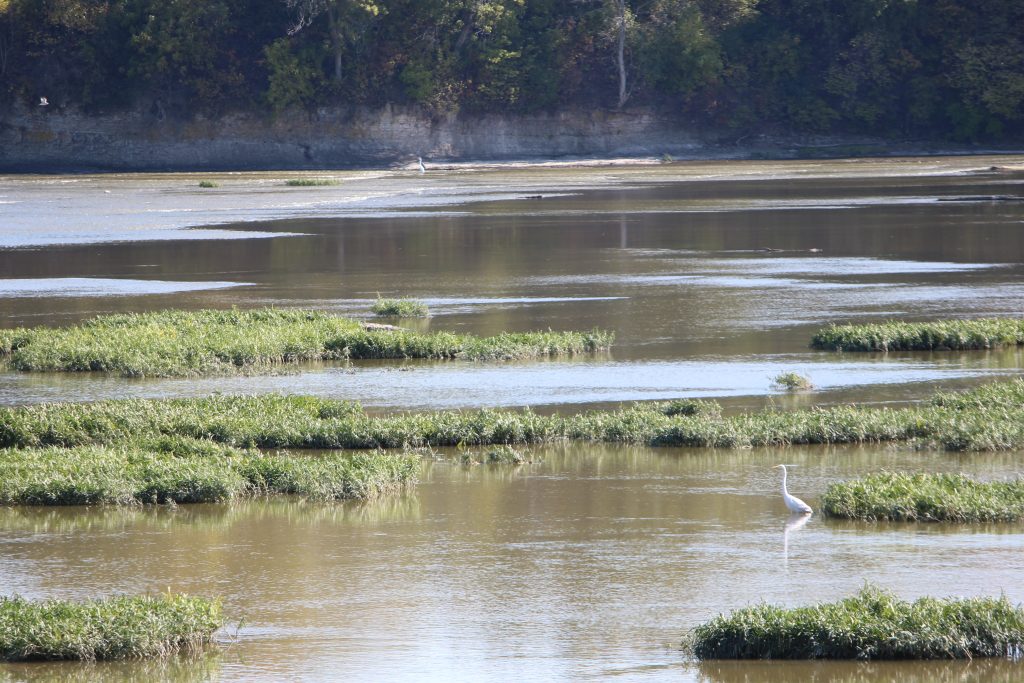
x=792 y=502
x=423 y=169
x=43 y=102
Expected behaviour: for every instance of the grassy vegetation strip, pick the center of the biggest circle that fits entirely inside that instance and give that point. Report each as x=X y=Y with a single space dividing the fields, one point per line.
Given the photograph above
x=926 y=498
x=401 y=308
x=987 y=419
x=870 y=625
x=115 y=628
x=183 y=343
x=943 y=335
x=188 y=471
x=275 y=421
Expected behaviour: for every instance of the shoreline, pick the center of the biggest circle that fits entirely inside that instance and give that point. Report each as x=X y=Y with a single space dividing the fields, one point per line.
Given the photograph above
x=69 y=142
x=535 y=162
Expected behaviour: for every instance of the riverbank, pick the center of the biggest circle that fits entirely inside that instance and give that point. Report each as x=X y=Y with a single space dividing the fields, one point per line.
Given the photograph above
x=52 y=140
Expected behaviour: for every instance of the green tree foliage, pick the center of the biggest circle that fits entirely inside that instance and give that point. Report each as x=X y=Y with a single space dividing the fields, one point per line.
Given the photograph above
x=677 y=53
x=936 y=68
x=293 y=77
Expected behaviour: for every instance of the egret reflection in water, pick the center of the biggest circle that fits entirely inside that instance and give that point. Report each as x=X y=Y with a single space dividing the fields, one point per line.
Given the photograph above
x=796 y=521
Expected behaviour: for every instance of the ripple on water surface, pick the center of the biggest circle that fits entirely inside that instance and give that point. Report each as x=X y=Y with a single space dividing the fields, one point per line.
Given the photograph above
x=591 y=562
x=98 y=286
x=461 y=385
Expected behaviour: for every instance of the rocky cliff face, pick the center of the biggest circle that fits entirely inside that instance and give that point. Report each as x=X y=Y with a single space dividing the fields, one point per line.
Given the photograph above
x=46 y=139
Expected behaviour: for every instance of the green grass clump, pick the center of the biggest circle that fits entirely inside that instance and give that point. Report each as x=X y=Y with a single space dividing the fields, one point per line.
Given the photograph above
x=179 y=470
x=400 y=308
x=187 y=343
x=942 y=335
x=792 y=381
x=926 y=498
x=873 y=624
x=691 y=407
x=114 y=628
x=311 y=182
x=208 y=184
x=987 y=419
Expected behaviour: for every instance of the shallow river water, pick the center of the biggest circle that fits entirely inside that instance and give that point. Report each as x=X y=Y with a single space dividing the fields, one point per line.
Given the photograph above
x=593 y=562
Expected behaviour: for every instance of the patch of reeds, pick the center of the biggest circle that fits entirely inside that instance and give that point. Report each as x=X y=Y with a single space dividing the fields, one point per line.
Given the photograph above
x=114 y=628
x=873 y=624
x=690 y=407
x=502 y=455
x=925 y=498
x=400 y=308
x=207 y=184
x=941 y=335
x=792 y=381
x=311 y=182
x=181 y=470
x=185 y=343
x=986 y=419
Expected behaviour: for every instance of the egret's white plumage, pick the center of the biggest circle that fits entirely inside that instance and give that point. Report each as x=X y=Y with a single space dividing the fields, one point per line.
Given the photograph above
x=423 y=169
x=792 y=502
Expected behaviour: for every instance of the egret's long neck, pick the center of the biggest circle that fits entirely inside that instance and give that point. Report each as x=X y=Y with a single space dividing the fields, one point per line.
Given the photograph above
x=784 y=491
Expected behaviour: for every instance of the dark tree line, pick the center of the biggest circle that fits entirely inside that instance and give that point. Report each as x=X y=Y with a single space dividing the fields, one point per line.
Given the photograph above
x=938 y=68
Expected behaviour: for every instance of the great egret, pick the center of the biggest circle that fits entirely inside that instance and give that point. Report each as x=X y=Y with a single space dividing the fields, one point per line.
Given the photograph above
x=792 y=502
x=423 y=169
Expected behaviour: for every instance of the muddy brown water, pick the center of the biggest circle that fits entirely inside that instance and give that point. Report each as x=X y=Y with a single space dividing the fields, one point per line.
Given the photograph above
x=593 y=562
x=713 y=275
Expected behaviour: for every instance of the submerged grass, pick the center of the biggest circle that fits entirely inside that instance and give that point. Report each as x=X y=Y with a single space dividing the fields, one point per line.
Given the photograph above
x=873 y=624
x=115 y=628
x=185 y=343
x=990 y=418
x=502 y=455
x=181 y=470
x=311 y=182
x=401 y=308
x=942 y=335
x=926 y=498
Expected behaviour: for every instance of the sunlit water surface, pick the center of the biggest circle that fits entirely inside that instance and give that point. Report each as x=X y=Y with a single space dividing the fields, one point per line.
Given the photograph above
x=713 y=275
x=593 y=562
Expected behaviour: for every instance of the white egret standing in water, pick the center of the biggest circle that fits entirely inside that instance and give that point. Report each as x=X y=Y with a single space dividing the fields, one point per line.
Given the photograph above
x=423 y=169
x=792 y=502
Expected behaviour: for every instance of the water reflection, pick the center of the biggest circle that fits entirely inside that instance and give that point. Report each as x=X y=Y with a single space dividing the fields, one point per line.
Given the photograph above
x=589 y=562
x=976 y=671
x=93 y=287
x=29 y=523
x=554 y=384
x=593 y=560
x=795 y=522
x=198 y=669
